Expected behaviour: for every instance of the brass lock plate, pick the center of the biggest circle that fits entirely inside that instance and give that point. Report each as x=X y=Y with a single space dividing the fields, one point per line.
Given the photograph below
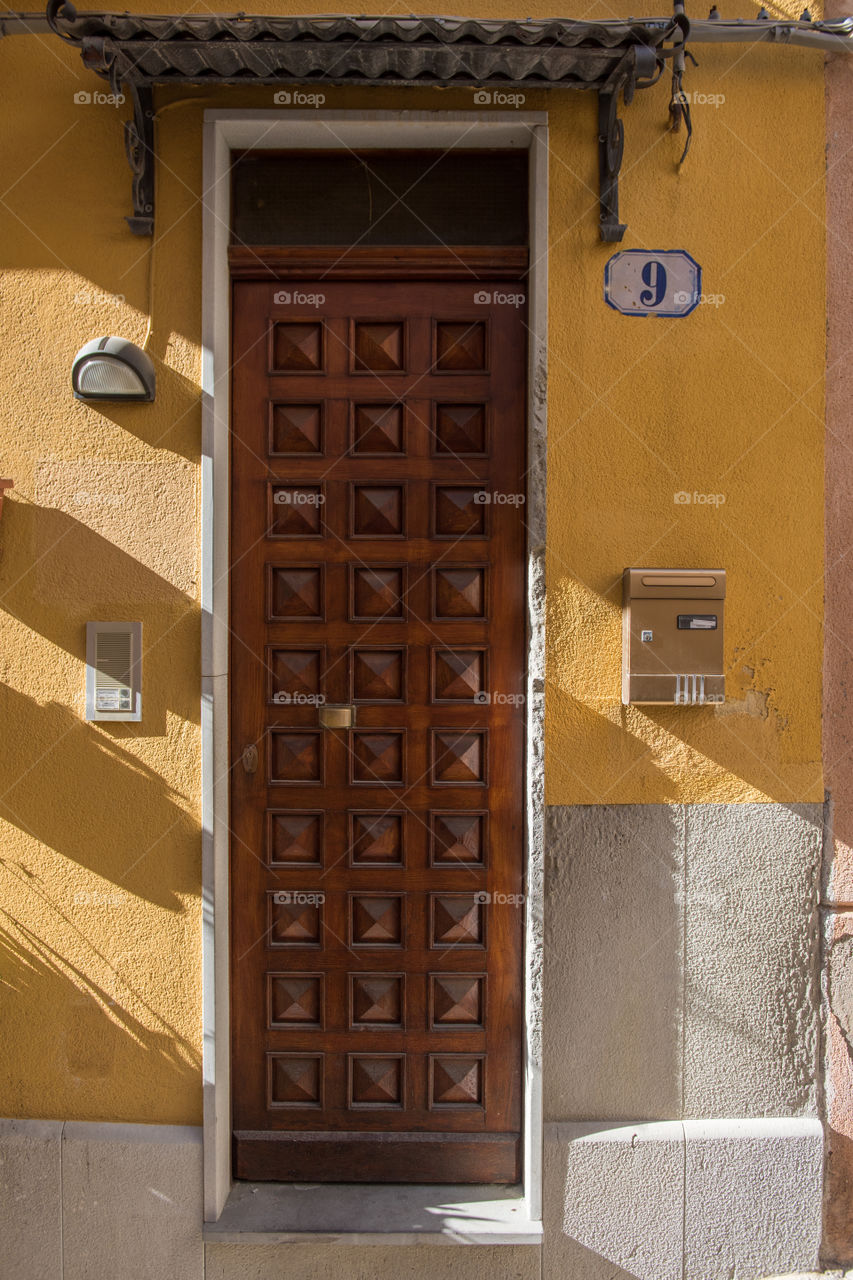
x=336 y=717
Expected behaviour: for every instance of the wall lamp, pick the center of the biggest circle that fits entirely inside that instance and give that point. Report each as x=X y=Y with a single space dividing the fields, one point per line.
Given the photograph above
x=112 y=369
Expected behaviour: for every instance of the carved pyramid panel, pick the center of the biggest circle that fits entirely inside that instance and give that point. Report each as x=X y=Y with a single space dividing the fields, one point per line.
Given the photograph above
x=460 y=429
x=295 y=429
x=459 y=511
x=378 y=511
x=376 y=1081
x=376 y=839
x=376 y=757
x=295 y=999
x=457 y=999
x=378 y=429
x=376 y=594
x=379 y=346
x=457 y=920
x=294 y=593
x=295 y=1080
x=460 y=346
x=376 y=999
x=456 y=1080
x=458 y=839
x=376 y=920
x=379 y=675
x=294 y=838
x=459 y=757
x=297 y=347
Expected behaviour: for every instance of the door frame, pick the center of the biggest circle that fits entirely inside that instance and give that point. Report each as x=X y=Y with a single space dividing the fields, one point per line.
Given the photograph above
x=224 y=132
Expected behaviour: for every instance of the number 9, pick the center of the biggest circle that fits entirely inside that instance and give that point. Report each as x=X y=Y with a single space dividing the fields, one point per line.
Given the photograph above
x=654 y=275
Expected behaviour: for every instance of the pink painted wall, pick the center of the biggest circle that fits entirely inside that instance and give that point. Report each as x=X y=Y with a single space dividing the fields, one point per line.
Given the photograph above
x=838 y=659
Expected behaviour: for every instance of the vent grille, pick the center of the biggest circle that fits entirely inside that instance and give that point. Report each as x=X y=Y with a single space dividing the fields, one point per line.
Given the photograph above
x=113 y=659
x=112 y=670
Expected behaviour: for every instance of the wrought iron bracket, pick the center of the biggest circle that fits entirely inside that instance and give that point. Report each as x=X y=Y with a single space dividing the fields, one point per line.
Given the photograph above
x=114 y=66
x=611 y=146
x=641 y=69
x=139 y=146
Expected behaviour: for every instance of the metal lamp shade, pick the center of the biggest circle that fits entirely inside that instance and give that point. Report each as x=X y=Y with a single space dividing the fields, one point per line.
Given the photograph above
x=112 y=369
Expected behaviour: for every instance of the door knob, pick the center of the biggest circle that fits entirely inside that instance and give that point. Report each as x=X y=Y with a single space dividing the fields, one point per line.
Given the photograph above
x=336 y=717
x=249 y=758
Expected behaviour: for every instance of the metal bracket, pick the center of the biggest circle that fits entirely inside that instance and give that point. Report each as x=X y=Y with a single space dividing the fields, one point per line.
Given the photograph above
x=100 y=55
x=139 y=147
x=611 y=144
x=640 y=69
x=138 y=131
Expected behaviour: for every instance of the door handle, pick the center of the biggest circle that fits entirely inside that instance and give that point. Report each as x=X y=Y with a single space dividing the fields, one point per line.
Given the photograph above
x=336 y=717
x=249 y=758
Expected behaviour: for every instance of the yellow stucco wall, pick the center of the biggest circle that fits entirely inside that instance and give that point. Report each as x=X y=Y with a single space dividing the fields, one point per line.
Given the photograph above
x=100 y=871
x=727 y=402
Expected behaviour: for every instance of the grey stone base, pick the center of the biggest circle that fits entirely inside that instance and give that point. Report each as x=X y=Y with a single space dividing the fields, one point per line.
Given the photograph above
x=699 y=1200
x=100 y=1201
x=681 y=961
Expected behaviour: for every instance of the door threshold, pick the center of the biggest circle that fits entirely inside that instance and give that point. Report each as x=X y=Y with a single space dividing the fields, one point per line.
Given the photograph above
x=368 y=1213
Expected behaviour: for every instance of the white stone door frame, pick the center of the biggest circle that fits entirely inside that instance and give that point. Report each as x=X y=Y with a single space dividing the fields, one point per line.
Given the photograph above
x=283 y=129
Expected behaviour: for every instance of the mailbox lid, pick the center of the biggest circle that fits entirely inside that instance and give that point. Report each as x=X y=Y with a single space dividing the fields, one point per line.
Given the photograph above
x=674 y=584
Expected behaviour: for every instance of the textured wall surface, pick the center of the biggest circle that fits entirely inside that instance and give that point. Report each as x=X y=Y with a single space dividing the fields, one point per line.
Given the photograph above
x=702 y=1200
x=699 y=1200
x=727 y=403
x=681 y=961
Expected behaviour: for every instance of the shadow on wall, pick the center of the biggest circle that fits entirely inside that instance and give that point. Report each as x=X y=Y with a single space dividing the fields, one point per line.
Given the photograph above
x=618 y=751
x=613 y=971
x=669 y=755
x=618 y=1195
x=79 y=792
x=681 y=961
x=117 y=1058
x=761 y=744
x=173 y=422
x=838 y=1190
x=75 y=573
x=101 y=987
x=100 y=795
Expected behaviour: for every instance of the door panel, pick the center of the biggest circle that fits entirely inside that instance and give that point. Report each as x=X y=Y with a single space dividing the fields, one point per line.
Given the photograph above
x=376 y=870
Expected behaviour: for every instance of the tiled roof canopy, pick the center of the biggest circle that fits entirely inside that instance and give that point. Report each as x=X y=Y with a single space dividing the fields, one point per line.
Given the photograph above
x=396 y=51
x=137 y=51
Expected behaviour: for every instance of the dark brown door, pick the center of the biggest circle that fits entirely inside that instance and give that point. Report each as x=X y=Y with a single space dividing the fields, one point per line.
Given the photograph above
x=377 y=563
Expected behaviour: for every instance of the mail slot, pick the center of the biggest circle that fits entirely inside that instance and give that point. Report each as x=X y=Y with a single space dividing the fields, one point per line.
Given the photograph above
x=672 y=636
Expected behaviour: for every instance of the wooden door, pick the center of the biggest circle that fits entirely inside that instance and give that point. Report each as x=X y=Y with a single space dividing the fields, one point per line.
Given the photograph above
x=377 y=563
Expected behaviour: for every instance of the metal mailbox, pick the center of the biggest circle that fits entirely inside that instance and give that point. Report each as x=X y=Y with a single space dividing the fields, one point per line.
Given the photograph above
x=672 y=636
